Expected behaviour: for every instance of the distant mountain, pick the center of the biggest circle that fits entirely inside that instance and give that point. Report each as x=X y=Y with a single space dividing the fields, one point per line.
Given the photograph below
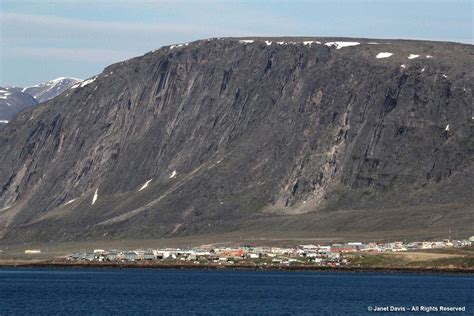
x=15 y=99
x=262 y=137
x=48 y=90
x=12 y=101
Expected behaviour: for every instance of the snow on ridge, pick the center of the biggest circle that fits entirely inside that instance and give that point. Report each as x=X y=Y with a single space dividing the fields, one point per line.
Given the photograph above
x=372 y=43
x=403 y=66
x=145 y=185
x=413 y=56
x=96 y=195
x=340 y=45
x=86 y=82
x=173 y=174
x=268 y=43
x=246 y=41
x=52 y=83
x=383 y=55
x=179 y=45
x=306 y=43
x=59 y=79
x=429 y=56
x=310 y=42
x=4 y=121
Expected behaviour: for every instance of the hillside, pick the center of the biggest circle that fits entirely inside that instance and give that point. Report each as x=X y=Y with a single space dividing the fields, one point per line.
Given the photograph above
x=271 y=136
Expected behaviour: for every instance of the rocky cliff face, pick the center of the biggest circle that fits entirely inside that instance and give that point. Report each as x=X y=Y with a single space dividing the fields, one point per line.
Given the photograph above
x=276 y=135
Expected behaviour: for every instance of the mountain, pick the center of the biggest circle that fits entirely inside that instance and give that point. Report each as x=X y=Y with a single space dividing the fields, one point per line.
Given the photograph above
x=12 y=101
x=50 y=89
x=15 y=99
x=264 y=137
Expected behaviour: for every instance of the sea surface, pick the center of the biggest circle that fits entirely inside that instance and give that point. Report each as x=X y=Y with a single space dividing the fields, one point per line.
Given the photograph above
x=85 y=291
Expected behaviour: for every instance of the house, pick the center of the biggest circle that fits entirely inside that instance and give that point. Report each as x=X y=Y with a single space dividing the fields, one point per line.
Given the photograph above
x=311 y=248
x=89 y=257
x=324 y=249
x=130 y=256
x=148 y=255
x=232 y=253
x=191 y=257
x=357 y=245
x=111 y=256
x=158 y=255
x=342 y=248
x=253 y=255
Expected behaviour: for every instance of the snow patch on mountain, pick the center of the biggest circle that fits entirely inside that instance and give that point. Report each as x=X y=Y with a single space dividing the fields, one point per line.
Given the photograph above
x=96 y=196
x=340 y=45
x=145 y=185
x=383 y=55
x=69 y=202
x=310 y=42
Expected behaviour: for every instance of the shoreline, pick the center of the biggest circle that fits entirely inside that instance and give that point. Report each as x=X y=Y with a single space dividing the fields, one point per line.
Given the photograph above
x=185 y=266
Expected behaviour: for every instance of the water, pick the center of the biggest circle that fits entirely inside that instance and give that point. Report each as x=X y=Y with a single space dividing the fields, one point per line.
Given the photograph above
x=140 y=292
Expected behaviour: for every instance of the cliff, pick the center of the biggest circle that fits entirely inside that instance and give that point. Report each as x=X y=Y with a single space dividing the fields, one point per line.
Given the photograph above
x=318 y=136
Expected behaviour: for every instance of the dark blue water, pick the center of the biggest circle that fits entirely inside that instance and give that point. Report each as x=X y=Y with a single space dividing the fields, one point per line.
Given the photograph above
x=139 y=292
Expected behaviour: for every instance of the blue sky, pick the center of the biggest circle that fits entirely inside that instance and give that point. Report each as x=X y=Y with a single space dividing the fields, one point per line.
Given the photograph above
x=45 y=39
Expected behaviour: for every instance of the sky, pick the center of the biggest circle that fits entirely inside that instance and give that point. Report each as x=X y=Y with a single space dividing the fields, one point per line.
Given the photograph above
x=45 y=39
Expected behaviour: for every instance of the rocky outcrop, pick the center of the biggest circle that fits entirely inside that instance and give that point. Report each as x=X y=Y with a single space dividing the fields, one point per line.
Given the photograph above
x=275 y=135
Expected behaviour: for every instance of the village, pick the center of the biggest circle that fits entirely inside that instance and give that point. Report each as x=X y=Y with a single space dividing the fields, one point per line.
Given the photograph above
x=334 y=255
